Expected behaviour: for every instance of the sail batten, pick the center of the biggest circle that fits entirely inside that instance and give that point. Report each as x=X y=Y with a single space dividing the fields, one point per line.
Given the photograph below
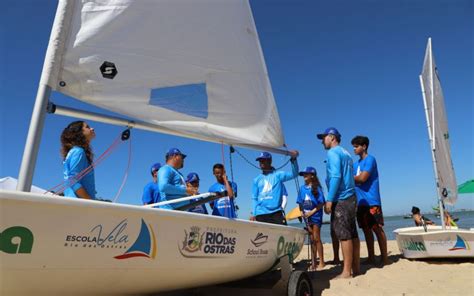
x=193 y=67
x=438 y=128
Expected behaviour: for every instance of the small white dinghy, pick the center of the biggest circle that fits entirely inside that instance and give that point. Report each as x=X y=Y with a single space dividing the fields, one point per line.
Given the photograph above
x=437 y=241
x=128 y=56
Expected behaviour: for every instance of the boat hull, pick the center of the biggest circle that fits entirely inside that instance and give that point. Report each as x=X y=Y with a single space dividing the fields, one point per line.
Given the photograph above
x=52 y=245
x=415 y=243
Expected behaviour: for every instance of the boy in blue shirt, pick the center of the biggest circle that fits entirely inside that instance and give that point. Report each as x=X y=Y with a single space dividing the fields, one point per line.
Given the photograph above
x=192 y=180
x=341 y=201
x=311 y=201
x=224 y=206
x=369 y=206
x=151 y=193
x=267 y=190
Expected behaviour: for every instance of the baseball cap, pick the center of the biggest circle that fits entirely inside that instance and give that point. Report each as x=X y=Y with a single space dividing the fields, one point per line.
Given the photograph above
x=329 y=131
x=155 y=167
x=192 y=177
x=174 y=151
x=264 y=155
x=308 y=170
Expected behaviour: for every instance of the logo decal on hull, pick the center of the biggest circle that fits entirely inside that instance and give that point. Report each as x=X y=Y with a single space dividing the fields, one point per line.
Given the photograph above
x=16 y=240
x=144 y=246
x=212 y=243
x=460 y=244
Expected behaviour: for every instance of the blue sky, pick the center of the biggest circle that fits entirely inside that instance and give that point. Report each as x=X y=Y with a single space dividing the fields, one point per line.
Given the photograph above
x=349 y=64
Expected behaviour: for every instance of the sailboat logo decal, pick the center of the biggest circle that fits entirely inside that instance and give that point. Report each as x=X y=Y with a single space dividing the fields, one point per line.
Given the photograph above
x=144 y=246
x=267 y=187
x=460 y=244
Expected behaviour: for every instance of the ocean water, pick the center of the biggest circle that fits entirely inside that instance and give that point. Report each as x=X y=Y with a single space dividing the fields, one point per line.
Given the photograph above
x=466 y=221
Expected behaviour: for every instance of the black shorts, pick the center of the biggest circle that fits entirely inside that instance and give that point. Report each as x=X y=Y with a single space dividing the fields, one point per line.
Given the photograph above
x=343 y=218
x=273 y=218
x=369 y=216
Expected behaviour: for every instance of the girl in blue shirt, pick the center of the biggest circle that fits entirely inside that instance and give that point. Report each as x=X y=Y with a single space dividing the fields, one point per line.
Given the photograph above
x=311 y=201
x=77 y=156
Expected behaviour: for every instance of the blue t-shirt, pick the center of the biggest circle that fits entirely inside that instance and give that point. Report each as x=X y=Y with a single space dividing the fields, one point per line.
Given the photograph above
x=200 y=209
x=75 y=162
x=224 y=206
x=309 y=202
x=368 y=193
x=171 y=185
x=339 y=174
x=267 y=191
x=151 y=193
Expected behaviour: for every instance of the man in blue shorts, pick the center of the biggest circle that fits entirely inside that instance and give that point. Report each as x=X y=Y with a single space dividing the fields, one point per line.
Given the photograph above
x=171 y=182
x=341 y=201
x=151 y=193
x=267 y=190
x=224 y=206
x=369 y=206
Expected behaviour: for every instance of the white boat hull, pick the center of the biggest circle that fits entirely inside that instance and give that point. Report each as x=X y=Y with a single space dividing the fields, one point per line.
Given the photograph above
x=54 y=245
x=415 y=243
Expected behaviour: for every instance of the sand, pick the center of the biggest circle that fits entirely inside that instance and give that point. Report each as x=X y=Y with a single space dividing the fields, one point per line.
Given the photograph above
x=402 y=277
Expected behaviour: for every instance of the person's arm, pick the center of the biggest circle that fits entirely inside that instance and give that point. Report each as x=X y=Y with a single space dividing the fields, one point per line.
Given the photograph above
x=254 y=199
x=228 y=188
x=164 y=179
x=147 y=196
x=369 y=165
x=77 y=163
x=334 y=175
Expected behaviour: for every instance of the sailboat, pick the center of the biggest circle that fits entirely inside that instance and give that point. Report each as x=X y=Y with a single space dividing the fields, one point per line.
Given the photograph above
x=429 y=241
x=193 y=69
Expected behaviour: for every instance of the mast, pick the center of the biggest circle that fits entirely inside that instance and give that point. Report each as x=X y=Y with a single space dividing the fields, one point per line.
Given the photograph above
x=50 y=69
x=431 y=131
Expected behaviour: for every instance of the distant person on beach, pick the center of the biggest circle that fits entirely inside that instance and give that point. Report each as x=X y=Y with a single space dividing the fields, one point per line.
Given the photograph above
x=171 y=182
x=267 y=190
x=311 y=201
x=224 y=206
x=192 y=180
x=341 y=201
x=418 y=218
x=151 y=192
x=369 y=206
x=77 y=157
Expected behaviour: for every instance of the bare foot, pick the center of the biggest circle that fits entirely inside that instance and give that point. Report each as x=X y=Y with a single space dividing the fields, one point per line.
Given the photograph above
x=321 y=266
x=343 y=276
x=312 y=268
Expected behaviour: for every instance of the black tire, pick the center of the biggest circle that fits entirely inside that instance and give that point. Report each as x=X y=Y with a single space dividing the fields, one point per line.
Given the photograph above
x=299 y=284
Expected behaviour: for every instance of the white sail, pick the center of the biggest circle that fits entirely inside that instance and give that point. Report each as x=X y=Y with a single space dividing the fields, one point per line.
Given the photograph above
x=438 y=128
x=194 y=68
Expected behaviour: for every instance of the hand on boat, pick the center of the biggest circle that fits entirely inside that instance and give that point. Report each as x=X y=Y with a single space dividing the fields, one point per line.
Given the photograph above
x=294 y=154
x=327 y=207
x=252 y=218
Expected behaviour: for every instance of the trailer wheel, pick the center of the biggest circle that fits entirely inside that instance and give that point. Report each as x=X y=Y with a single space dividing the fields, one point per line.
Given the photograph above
x=299 y=284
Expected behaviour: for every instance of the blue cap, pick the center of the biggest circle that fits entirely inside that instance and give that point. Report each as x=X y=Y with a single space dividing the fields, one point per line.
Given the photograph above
x=329 y=131
x=155 y=167
x=192 y=177
x=308 y=170
x=174 y=151
x=264 y=155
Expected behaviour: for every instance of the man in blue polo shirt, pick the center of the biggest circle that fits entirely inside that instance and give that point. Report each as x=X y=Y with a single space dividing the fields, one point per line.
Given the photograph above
x=171 y=182
x=341 y=201
x=267 y=190
x=151 y=193
x=369 y=206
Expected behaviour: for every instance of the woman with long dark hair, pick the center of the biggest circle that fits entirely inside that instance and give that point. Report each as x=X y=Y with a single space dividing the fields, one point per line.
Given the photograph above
x=312 y=201
x=77 y=156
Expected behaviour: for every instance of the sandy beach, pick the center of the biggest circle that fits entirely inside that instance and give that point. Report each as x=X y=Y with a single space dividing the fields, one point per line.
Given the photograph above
x=402 y=277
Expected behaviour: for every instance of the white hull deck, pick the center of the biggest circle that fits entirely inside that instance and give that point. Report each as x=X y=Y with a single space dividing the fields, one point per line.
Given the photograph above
x=415 y=243
x=55 y=245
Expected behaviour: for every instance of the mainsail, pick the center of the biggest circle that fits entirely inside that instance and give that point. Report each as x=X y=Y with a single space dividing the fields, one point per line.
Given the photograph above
x=194 y=68
x=438 y=128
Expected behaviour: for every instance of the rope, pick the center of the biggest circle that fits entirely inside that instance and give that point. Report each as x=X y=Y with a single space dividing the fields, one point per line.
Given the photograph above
x=231 y=150
x=255 y=166
x=125 y=177
x=58 y=189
